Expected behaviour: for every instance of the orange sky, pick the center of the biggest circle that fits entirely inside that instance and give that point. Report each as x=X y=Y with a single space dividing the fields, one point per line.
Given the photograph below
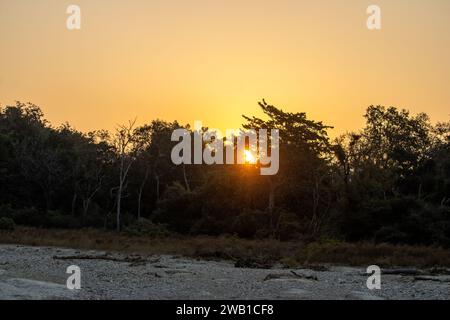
x=213 y=60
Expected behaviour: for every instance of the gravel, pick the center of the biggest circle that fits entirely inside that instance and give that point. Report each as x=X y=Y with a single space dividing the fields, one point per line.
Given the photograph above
x=40 y=273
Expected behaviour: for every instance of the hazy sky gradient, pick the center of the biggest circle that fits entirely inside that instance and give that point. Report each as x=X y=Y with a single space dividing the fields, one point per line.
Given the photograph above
x=213 y=60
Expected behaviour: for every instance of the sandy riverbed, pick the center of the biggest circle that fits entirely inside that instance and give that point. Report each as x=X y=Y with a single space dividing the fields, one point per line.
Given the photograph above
x=35 y=273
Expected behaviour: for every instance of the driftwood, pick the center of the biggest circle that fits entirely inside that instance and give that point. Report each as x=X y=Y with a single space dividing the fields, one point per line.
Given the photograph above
x=317 y=267
x=429 y=278
x=291 y=275
x=439 y=270
x=175 y=272
x=133 y=260
x=312 y=277
x=403 y=271
x=417 y=272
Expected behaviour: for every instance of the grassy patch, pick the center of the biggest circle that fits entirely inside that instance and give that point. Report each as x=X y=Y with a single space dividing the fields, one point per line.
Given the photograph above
x=243 y=252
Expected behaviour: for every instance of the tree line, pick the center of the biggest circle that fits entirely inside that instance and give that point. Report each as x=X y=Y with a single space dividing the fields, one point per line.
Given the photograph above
x=388 y=182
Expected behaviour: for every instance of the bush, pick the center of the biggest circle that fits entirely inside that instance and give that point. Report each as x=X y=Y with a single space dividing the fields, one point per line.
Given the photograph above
x=261 y=224
x=251 y=223
x=390 y=234
x=179 y=209
x=57 y=219
x=7 y=224
x=23 y=216
x=147 y=228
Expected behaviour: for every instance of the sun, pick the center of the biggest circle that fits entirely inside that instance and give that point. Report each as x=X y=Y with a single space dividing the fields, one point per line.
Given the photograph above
x=249 y=157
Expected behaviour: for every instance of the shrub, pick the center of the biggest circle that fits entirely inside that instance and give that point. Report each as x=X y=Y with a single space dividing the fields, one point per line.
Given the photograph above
x=179 y=209
x=7 y=224
x=57 y=219
x=23 y=216
x=250 y=223
x=147 y=228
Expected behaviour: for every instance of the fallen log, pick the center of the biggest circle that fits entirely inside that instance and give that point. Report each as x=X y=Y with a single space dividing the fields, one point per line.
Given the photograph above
x=430 y=278
x=439 y=271
x=403 y=272
x=291 y=275
x=317 y=267
x=133 y=260
x=312 y=277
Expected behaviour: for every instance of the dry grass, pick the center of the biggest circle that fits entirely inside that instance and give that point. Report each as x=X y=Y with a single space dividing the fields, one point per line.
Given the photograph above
x=261 y=252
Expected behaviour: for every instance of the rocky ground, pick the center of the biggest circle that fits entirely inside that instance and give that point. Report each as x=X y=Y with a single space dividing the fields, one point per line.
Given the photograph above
x=40 y=273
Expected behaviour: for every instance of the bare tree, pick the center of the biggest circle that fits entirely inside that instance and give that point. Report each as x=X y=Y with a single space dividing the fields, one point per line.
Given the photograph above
x=143 y=139
x=90 y=190
x=140 y=191
x=123 y=142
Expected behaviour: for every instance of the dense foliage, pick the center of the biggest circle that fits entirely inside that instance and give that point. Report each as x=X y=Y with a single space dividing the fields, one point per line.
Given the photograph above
x=389 y=182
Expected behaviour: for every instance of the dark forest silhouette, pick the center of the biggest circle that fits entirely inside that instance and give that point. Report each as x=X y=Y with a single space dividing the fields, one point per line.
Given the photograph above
x=389 y=182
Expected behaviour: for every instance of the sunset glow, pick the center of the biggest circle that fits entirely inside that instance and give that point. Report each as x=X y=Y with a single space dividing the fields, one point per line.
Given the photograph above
x=214 y=60
x=240 y=154
x=250 y=157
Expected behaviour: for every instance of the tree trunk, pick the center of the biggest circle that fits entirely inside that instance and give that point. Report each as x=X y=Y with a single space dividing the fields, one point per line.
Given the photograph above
x=139 y=204
x=157 y=187
x=74 y=201
x=85 y=209
x=313 y=226
x=185 y=178
x=271 y=195
x=141 y=190
x=119 y=200
x=419 y=192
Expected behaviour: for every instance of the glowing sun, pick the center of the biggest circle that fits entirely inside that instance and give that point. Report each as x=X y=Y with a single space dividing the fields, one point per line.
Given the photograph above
x=249 y=157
